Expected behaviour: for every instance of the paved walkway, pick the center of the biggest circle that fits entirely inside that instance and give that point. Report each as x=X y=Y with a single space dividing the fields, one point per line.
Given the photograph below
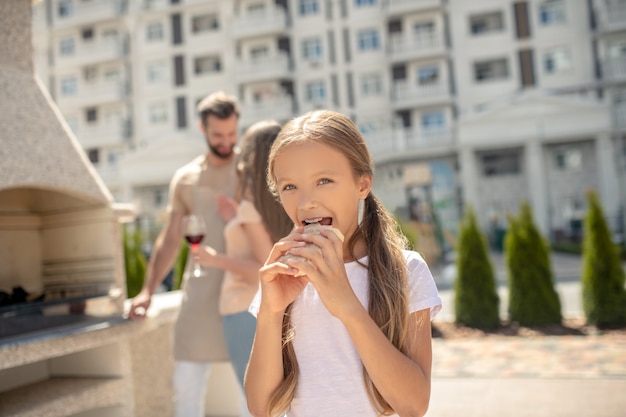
x=551 y=376
x=521 y=357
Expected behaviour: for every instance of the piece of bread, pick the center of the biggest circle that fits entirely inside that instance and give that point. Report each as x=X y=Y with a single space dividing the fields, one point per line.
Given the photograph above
x=315 y=229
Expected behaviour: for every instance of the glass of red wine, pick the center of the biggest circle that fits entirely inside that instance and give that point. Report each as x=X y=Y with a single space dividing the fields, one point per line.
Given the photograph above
x=194 y=230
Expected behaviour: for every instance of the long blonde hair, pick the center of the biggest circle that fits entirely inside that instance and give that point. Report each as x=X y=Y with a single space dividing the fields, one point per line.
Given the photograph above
x=388 y=301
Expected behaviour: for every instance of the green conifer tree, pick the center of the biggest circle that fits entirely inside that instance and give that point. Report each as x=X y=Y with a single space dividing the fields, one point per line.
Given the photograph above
x=604 y=297
x=476 y=300
x=134 y=261
x=179 y=265
x=533 y=300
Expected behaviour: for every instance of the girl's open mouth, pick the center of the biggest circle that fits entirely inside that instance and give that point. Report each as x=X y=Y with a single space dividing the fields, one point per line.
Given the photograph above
x=324 y=221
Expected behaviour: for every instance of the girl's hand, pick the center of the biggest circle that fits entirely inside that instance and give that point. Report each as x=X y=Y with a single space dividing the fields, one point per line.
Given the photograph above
x=326 y=271
x=279 y=285
x=205 y=255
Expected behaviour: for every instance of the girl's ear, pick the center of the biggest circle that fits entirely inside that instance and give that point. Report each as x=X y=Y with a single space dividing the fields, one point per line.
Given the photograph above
x=365 y=186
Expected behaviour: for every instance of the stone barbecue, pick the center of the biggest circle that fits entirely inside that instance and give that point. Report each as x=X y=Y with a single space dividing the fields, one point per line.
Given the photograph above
x=61 y=253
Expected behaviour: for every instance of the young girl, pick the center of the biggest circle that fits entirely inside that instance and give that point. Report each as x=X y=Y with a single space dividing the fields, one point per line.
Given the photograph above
x=259 y=222
x=343 y=329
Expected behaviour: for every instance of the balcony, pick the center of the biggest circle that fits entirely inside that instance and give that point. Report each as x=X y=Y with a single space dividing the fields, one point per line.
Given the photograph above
x=614 y=69
x=406 y=95
x=403 y=48
x=154 y=5
x=277 y=108
x=392 y=144
x=94 y=95
x=263 y=69
x=401 y=7
x=612 y=18
x=265 y=22
x=92 y=53
x=81 y=13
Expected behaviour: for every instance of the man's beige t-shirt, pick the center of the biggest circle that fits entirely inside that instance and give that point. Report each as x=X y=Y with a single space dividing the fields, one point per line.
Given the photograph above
x=198 y=334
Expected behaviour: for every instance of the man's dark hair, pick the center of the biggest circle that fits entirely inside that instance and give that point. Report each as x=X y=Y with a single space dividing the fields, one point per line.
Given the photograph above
x=218 y=104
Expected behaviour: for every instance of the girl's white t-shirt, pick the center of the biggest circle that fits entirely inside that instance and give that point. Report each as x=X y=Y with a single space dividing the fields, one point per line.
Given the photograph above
x=331 y=373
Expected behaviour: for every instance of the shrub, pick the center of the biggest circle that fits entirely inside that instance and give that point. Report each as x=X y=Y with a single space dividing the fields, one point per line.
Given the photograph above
x=179 y=265
x=604 y=297
x=134 y=261
x=409 y=233
x=533 y=300
x=476 y=300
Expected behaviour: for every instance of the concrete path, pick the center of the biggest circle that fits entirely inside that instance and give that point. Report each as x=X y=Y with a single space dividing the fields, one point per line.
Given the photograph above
x=550 y=376
x=517 y=377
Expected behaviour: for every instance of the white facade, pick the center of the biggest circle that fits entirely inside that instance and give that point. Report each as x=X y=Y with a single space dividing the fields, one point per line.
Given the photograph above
x=435 y=87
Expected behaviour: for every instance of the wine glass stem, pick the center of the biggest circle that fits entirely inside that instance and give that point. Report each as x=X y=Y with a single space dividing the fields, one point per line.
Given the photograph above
x=196 y=271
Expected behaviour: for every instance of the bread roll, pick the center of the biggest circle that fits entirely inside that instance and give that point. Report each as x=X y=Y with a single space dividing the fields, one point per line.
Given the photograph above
x=313 y=229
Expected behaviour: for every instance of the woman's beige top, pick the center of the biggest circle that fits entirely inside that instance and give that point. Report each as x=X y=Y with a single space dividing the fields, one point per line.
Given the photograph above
x=237 y=292
x=198 y=334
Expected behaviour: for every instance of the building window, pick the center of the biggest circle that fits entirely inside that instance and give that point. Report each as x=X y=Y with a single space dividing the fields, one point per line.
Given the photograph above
x=112 y=158
x=110 y=35
x=68 y=86
x=204 y=23
x=256 y=9
x=154 y=32
x=259 y=52
x=156 y=72
x=568 y=159
x=616 y=48
x=486 y=23
x=94 y=155
x=496 y=69
x=66 y=46
x=87 y=34
x=91 y=115
x=315 y=92
x=361 y=3
x=179 y=70
x=66 y=8
x=312 y=49
x=159 y=197
x=308 y=7
x=368 y=40
x=428 y=75
x=557 y=60
x=181 y=112
x=552 y=12
x=371 y=85
x=433 y=120
x=111 y=74
x=424 y=29
x=501 y=164
x=157 y=113
x=263 y=94
x=90 y=74
x=207 y=65
x=177 y=29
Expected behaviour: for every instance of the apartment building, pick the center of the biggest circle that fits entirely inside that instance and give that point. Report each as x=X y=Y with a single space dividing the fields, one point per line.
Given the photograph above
x=543 y=132
x=488 y=102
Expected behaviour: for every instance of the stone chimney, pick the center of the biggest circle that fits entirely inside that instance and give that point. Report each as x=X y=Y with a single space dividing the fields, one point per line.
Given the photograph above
x=37 y=148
